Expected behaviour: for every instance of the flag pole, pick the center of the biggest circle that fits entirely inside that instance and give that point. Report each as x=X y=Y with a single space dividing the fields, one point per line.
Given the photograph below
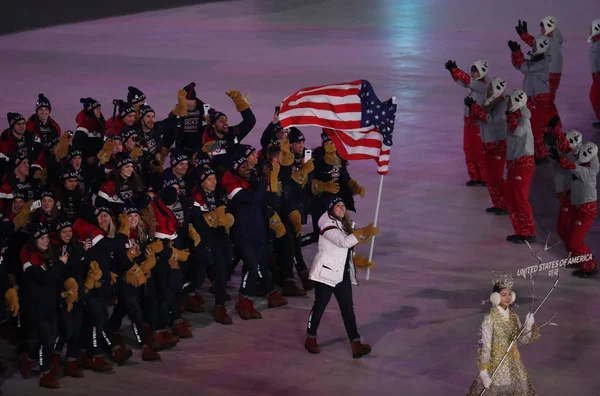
x=375 y=223
x=394 y=101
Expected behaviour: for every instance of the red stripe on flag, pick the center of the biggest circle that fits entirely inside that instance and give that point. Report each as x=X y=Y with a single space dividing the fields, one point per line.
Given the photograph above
x=313 y=120
x=339 y=108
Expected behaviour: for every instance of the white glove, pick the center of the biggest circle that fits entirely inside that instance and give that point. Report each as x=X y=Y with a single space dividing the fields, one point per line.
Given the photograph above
x=529 y=320
x=485 y=378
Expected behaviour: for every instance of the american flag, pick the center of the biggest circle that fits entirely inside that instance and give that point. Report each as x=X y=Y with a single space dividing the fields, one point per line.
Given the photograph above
x=359 y=124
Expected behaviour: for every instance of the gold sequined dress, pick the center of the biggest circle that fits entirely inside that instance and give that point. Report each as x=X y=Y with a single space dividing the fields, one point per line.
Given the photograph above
x=498 y=329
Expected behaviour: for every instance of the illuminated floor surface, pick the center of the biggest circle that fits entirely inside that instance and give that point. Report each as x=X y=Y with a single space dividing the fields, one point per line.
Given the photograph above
x=422 y=307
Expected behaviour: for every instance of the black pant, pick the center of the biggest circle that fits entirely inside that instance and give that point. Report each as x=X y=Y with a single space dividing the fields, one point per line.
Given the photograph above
x=285 y=249
x=215 y=258
x=168 y=290
x=94 y=320
x=343 y=295
x=129 y=305
x=149 y=302
x=70 y=330
x=255 y=269
x=43 y=351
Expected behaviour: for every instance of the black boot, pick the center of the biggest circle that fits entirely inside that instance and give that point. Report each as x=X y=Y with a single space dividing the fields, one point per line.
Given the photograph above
x=580 y=273
x=472 y=183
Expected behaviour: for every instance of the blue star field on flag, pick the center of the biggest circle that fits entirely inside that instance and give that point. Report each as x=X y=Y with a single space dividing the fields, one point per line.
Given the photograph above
x=376 y=113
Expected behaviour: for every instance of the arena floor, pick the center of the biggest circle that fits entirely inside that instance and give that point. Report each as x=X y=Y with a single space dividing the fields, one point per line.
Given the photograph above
x=421 y=309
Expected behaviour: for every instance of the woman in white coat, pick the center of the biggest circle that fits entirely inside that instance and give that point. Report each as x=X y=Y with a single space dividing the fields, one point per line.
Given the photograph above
x=333 y=271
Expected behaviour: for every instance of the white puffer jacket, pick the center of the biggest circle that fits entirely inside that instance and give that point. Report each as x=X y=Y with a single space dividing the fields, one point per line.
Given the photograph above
x=330 y=261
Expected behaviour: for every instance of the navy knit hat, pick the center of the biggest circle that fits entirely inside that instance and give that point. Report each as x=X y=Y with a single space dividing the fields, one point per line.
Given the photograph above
x=17 y=159
x=202 y=159
x=42 y=102
x=145 y=109
x=170 y=181
x=52 y=142
x=131 y=208
x=37 y=230
x=205 y=173
x=62 y=223
x=168 y=195
x=74 y=153
x=332 y=202
x=190 y=91
x=295 y=136
x=89 y=104
x=99 y=209
x=47 y=193
x=69 y=173
x=215 y=115
x=13 y=118
x=18 y=194
x=325 y=138
x=177 y=157
x=129 y=132
x=135 y=96
x=125 y=109
x=121 y=159
x=244 y=151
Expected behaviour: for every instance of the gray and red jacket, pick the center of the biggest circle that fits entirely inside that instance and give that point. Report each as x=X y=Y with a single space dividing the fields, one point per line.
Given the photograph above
x=583 y=188
x=555 y=50
x=562 y=176
x=492 y=122
x=477 y=87
x=519 y=140
x=595 y=57
x=536 y=81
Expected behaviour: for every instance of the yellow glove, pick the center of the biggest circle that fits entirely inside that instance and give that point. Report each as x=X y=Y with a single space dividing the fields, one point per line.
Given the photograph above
x=124 y=226
x=181 y=109
x=356 y=188
x=12 y=299
x=296 y=220
x=331 y=157
x=319 y=187
x=22 y=218
x=149 y=263
x=179 y=255
x=113 y=278
x=276 y=225
x=301 y=175
x=62 y=148
x=287 y=157
x=135 y=277
x=363 y=234
x=361 y=262
x=94 y=275
x=41 y=175
x=194 y=236
x=133 y=253
x=156 y=246
x=226 y=221
x=71 y=293
x=106 y=152
x=164 y=152
x=211 y=218
x=274 y=178
x=241 y=102
x=136 y=153
x=173 y=263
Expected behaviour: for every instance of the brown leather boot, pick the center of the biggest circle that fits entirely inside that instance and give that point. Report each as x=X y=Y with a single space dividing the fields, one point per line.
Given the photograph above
x=181 y=331
x=72 y=369
x=291 y=290
x=275 y=300
x=25 y=365
x=246 y=310
x=171 y=337
x=121 y=355
x=191 y=304
x=221 y=315
x=149 y=354
x=120 y=340
x=48 y=380
x=359 y=350
x=311 y=345
x=85 y=361
x=100 y=365
x=56 y=363
x=198 y=297
x=162 y=342
x=307 y=284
